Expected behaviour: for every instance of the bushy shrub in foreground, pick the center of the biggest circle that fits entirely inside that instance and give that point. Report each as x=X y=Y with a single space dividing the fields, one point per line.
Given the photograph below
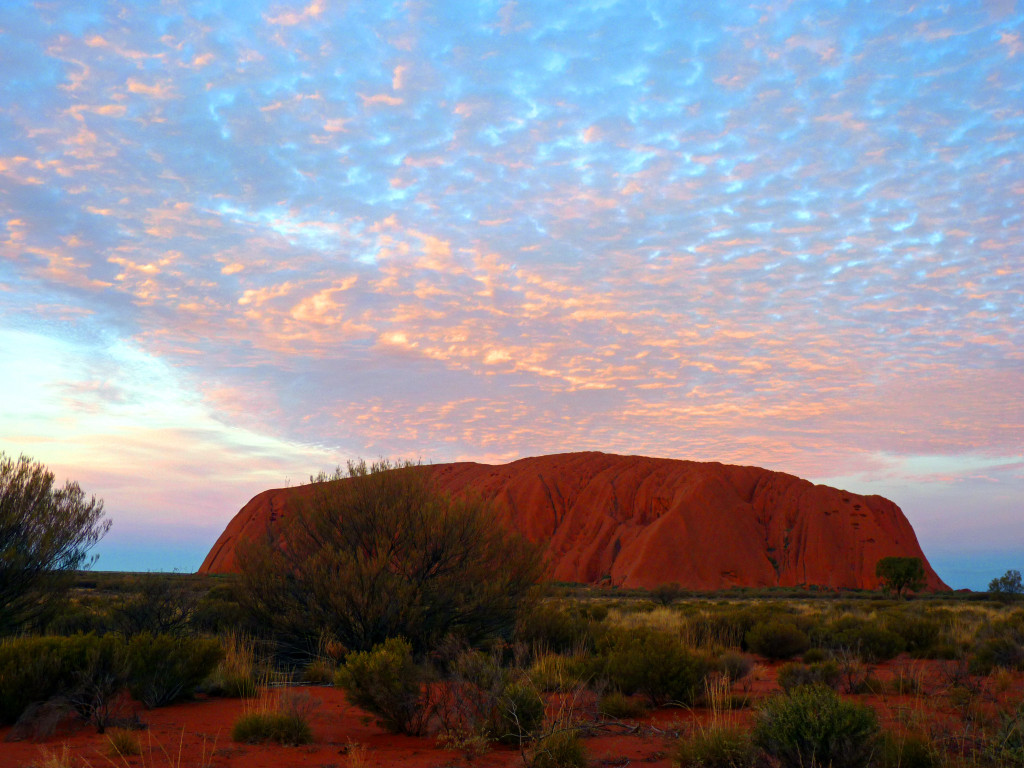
x=31 y=669
x=906 y=750
x=794 y=675
x=165 y=668
x=387 y=682
x=777 y=639
x=717 y=747
x=813 y=726
x=280 y=727
x=656 y=664
x=560 y=749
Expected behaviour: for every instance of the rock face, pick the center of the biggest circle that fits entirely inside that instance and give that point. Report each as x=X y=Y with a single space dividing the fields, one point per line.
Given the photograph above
x=638 y=522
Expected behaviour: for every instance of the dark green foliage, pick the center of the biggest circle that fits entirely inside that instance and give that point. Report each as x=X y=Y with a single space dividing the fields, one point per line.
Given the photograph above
x=1006 y=745
x=920 y=634
x=165 y=669
x=870 y=642
x=794 y=675
x=45 y=533
x=285 y=728
x=1007 y=587
x=31 y=670
x=717 y=747
x=906 y=750
x=657 y=664
x=99 y=672
x=900 y=573
x=220 y=611
x=552 y=627
x=157 y=604
x=387 y=682
x=621 y=706
x=735 y=666
x=666 y=594
x=814 y=727
x=777 y=639
x=521 y=712
x=815 y=655
x=996 y=652
x=560 y=749
x=381 y=553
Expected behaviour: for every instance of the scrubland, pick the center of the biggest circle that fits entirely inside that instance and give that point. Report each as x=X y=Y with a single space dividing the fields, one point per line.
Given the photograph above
x=169 y=670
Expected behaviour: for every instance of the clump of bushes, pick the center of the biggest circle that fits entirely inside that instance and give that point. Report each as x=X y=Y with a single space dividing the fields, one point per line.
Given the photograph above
x=777 y=639
x=718 y=746
x=287 y=723
x=656 y=664
x=551 y=628
x=620 y=706
x=165 y=669
x=813 y=726
x=387 y=682
x=562 y=748
x=907 y=750
x=793 y=675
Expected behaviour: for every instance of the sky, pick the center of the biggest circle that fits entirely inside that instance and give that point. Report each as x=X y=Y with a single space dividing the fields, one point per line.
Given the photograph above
x=243 y=242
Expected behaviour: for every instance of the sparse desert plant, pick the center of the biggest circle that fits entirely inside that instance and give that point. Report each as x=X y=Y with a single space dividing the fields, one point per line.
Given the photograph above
x=735 y=666
x=777 y=639
x=793 y=675
x=621 y=707
x=1006 y=745
x=165 y=668
x=552 y=628
x=388 y=682
x=666 y=594
x=717 y=746
x=814 y=727
x=123 y=743
x=236 y=675
x=907 y=750
x=281 y=719
x=52 y=758
x=561 y=748
x=381 y=553
x=656 y=664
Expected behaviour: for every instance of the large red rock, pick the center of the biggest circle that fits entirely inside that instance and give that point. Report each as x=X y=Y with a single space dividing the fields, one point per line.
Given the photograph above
x=638 y=522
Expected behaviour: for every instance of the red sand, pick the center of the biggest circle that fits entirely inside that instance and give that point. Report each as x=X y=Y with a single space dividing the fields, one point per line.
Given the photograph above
x=635 y=521
x=197 y=733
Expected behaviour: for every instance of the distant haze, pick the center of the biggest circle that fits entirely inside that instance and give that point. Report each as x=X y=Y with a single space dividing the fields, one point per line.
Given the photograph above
x=244 y=242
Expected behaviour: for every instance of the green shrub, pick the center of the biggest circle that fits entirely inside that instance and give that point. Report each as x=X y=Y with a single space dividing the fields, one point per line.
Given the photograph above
x=735 y=666
x=906 y=750
x=717 y=747
x=521 y=712
x=235 y=675
x=996 y=652
x=1006 y=745
x=814 y=727
x=280 y=727
x=620 y=706
x=552 y=628
x=777 y=639
x=794 y=675
x=560 y=749
x=919 y=634
x=31 y=669
x=815 y=655
x=870 y=642
x=387 y=682
x=656 y=664
x=165 y=669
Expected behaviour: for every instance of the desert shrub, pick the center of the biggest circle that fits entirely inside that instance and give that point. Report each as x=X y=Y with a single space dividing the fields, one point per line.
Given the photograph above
x=1005 y=747
x=920 y=634
x=236 y=674
x=281 y=727
x=219 y=611
x=521 y=712
x=1008 y=587
x=32 y=669
x=165 y=668
x=794 y=675
x=814 y=727
x=389 y=683
x=99 y=673
x=620 y=706
x=1000 y=652
x=46 y=532
x=906 y=750
x=553 y=628
x=656 y=664
x=160 y=604
x=594 y=611
x=870 y=642
x=815 y=655
x=122 y=743
x=735 y=666
x=550 y=672
x=559 y=749
x=382 y=553
x=717 y=746
x=319 y=672
x=666 y=594
x=899 y=574
x=777 y=639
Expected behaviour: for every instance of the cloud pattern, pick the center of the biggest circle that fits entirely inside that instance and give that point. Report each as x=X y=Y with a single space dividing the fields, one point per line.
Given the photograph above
x=786 y=234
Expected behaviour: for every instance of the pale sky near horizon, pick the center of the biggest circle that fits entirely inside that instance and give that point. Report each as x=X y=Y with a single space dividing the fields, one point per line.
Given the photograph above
x=241 y=242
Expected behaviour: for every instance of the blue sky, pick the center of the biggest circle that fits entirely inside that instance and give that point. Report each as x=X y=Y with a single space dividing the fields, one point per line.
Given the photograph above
x=243 y=242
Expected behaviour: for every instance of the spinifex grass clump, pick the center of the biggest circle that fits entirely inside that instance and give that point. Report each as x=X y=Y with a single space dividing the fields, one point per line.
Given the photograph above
x=813 y=726
x=656 y=664
x=777 y=639
x=236 y=676
x=283 y=719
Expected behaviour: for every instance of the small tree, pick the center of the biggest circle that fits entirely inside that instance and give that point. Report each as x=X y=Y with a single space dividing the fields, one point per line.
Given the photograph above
x=900 y=573
x=45 y=533
x=1007 y=587
x=380 y=553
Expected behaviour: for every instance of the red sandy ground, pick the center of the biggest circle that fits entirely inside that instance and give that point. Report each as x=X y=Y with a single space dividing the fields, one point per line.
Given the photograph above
x=197 y=733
